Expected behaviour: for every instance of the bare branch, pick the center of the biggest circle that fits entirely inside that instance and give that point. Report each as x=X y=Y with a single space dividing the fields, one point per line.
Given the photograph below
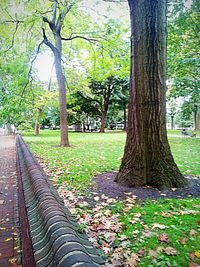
x=50 y=79
x=11 y=21
x=13 y=38
x=54 y=12
x=79 y=37
x=62 y=16
x=51 y=25
x=48 y=43
x=30 y=78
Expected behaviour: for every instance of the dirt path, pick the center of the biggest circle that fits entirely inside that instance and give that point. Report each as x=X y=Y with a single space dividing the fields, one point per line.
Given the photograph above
x=9 y=219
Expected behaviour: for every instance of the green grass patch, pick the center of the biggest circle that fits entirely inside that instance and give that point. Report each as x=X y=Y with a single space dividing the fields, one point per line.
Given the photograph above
x=93 y=153
x=147 y=222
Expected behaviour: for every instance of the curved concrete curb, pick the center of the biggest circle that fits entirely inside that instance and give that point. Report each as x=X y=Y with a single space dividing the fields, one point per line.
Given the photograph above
x=55 y=234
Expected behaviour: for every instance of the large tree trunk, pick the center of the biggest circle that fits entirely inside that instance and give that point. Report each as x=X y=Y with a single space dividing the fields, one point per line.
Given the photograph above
x=62 y=93
x=147 y=157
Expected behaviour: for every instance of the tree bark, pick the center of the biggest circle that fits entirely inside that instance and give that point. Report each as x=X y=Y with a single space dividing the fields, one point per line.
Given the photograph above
x=172 y=122
x=104 y=113
x=147 y=157
x=64 y=141
x=125 y=118
x=103 y=121
x=197 y=118
x=37 y=129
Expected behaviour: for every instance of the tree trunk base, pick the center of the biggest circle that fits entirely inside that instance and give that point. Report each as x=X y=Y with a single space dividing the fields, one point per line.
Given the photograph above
x=160 y=181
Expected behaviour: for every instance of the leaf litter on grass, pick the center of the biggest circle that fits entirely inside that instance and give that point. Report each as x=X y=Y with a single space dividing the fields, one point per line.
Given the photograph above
x=121 y=229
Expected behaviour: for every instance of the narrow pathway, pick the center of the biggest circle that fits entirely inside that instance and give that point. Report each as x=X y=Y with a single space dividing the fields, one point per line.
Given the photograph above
x=9 y=219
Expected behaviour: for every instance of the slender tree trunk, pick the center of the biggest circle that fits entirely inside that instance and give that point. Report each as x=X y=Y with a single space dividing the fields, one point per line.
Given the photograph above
x=124 y=118
x=197 y=118
x=37 y=128
x=62 y=93
x=104 y=115
x=172 y=122
x=147 y=157
x=103 y=121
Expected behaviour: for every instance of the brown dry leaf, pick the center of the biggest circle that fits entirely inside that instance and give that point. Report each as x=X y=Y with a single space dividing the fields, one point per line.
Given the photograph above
x=159 y=226
x=193 y=264
x=152 y=253
x=163 y=238
x=193 y=232
x=132 y=261
x=170 y=251
x=183 y=241
x=166 y=214
x=141 y=252
x=160 y=249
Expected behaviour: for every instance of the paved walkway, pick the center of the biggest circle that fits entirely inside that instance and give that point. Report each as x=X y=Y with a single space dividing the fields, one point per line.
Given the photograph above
x=9 y=219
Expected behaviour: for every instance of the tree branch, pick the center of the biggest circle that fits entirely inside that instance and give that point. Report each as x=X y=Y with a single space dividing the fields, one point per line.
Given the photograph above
x=11 y=21
x=47 y=42
x=13 y=38
x=79 y=37
x=30 y=70
x=50 y=23
x=54 y=12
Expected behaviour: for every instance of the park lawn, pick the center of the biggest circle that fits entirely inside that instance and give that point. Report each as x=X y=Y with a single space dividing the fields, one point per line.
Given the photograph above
x=93 y=153
x=161 y=232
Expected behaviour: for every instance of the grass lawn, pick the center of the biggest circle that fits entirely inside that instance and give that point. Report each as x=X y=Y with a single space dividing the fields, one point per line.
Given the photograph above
x=163 y=232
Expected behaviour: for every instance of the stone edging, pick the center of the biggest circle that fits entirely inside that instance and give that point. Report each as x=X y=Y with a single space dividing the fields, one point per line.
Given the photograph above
x=55 y=235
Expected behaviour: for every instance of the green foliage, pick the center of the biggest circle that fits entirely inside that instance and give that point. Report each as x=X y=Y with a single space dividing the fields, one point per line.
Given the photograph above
x=183 y=53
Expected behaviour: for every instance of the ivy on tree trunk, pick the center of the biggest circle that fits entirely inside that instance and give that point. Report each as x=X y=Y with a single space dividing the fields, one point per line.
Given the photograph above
x=147 y=157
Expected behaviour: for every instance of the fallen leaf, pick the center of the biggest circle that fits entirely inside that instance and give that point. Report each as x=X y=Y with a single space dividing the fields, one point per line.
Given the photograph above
x=170 y=251
x=182 y=241
x=163 y=238
x=193 y=232
x=159 y=226
x=152 y=253
x=141 y=252
x=166 y=215
x=132 y=261
x=193 y=264
x=197 y=254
